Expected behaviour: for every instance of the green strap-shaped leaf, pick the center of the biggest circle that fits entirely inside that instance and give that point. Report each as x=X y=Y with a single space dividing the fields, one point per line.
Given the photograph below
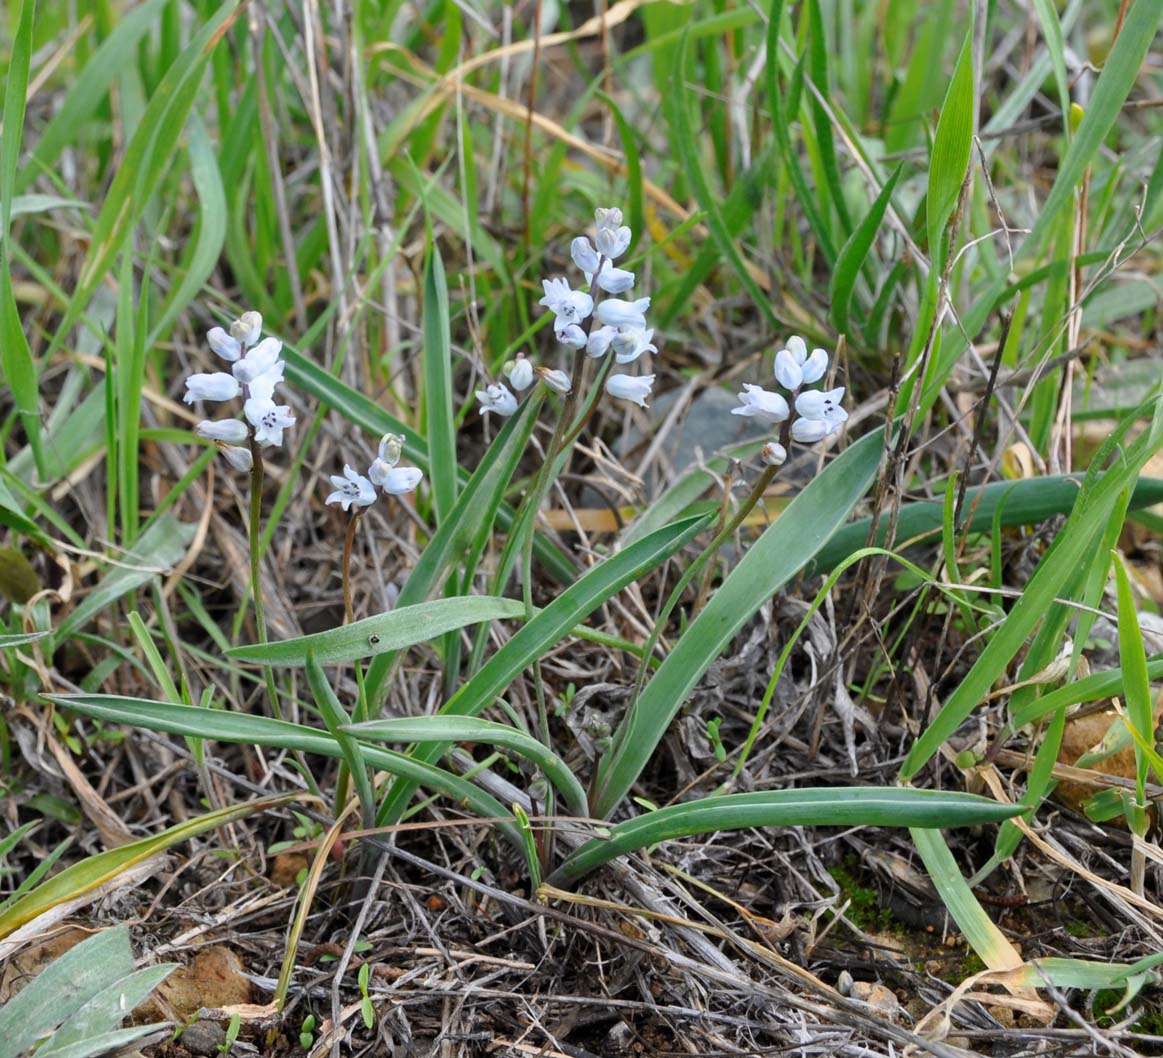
x=777 y=556
x=264 y=731
x=547 y=629
x=951 y=147
x=820 y=807
x=445 y=729
x=385 y=633
x=853 y=253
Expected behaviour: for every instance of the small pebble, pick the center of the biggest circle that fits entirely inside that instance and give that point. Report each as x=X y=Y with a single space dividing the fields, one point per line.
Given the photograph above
x=204 y=1038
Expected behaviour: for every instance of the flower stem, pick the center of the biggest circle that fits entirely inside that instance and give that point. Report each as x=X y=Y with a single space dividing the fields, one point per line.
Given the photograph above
x=257 y=474
x=352 y=524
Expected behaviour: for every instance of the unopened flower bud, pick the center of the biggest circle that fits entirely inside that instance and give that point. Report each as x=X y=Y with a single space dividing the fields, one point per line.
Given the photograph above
x=773 y=454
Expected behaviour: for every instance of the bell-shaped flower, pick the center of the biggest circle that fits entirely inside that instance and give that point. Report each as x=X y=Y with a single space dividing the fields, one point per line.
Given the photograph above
x=632 y=343
x=761 y=404
x=630 y=387
x=519 y=372
x=573 y=336
x=600 y=341
x=822 y=404
x=239 y=458
x=229 y=431
x=247 y=329
x=613 y=280
x=268 y=419
x=584 y=256
x=216 y=386
x=558 y=381
x=497 y=399
x=567 y=305
x=258 y=361
x=395 y=480
x=223 y=344
x=820 y=414
x=351 y=490
x=614 y=312
x=613 y=237
x=263 y=386
x=794 y=368
x=809 y=431
x=773 y=454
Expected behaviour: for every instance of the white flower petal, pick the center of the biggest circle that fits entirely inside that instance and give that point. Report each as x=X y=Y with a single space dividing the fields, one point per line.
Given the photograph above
x=773 y=454
x=600 y=340
x=630 y=387
x=399 y=480
x=757 y=402
x=215 y=386
x=497 y=399
x=815 y=367
x=615 y=280
x=572 y=336
x=583 y=254
x=612 y=242
x=632 y=343
x=268 y=419
x=787 y=372
x=798 y=348
x=258 y=361
x=231 y=431
x=614 y=312
x=223 y=344
x=809 y=431
x=264 y=385
x=821 y=404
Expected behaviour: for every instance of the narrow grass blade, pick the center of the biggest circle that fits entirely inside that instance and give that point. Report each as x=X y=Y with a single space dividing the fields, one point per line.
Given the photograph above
x=951 y=145
x=20 y=638
x=87 y=875
x=821 y=807
x=335 y=717
x=438 y=385
x=263 y=731
x=156 y=550
x=1037 y=597
x=385 y=633
x=1013 y=503
x=206 y=250
x=147 y=157
x=446 y=729
x=679 y=117
x=1091 y=688
x=1136 y=682
x=957 y=898
x=777 y=556
x=15 y=354
x=70 y=123
x=854 y=251
x=537 y=636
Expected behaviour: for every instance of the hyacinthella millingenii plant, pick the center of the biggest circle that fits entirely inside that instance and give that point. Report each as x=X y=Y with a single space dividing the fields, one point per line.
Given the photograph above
x=621 y=337
x=355 y=492
x=256 y=371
